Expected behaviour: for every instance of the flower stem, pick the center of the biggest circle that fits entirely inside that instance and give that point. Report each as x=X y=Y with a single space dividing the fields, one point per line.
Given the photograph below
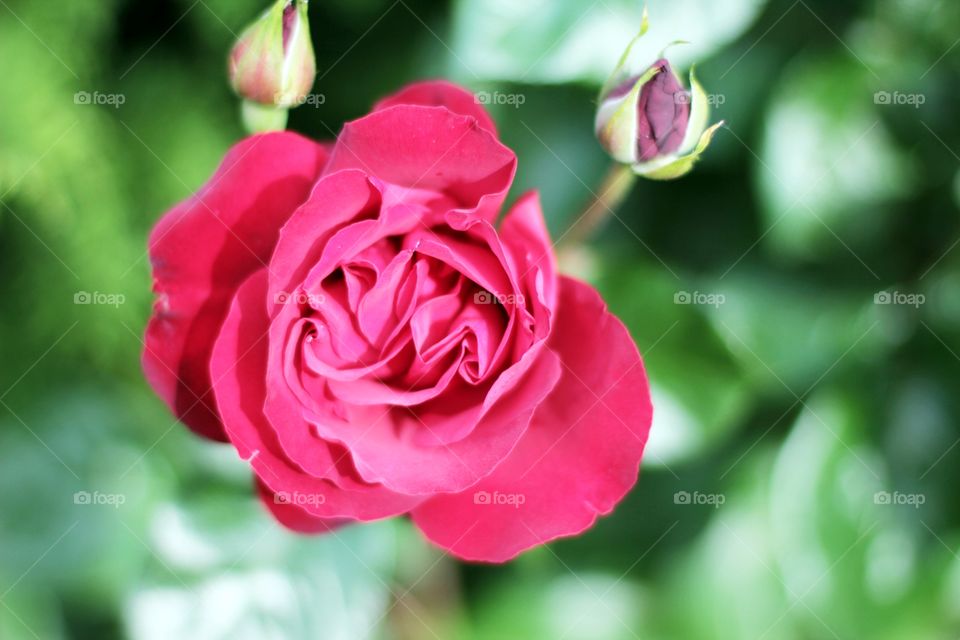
x=260 y=118
x=613 y=191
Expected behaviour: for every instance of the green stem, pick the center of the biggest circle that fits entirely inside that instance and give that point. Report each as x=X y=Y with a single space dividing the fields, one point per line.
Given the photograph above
x=259 y=118
x=613 y=191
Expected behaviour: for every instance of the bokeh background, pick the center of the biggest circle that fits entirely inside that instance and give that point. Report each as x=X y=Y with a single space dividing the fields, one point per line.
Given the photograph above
x=797 y=299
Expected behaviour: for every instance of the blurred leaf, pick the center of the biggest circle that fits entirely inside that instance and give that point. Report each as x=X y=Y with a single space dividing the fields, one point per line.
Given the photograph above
x=802 y=547
x=69 y=225
x=788 y=335
x=581 y=40
x=76 y=461
x=827 y=166
x=223 y=568
x=28 y=615
x=699 y=390
x=956 y=189
x=580 y=606
x=838 y=537
x=724 y=580
x=559 y=155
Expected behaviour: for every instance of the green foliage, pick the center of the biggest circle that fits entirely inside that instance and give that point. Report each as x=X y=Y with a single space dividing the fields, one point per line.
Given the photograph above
x=581 y=40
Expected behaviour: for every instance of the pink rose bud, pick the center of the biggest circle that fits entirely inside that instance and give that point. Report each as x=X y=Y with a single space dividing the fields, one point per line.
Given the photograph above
x=649 y=121
x=273 y=63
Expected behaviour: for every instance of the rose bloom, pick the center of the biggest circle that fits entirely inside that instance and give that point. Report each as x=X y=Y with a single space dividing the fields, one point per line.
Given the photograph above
x=353 y=320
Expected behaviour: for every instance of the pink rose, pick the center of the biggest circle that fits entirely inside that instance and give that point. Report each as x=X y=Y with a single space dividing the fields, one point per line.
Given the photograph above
x=353 y=322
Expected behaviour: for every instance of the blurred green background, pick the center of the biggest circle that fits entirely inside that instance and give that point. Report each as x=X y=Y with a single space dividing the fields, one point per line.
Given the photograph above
x=797 y=300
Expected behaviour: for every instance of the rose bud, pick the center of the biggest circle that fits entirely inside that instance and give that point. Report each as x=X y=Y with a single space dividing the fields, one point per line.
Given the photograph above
x=272 y=65
x=650 y=121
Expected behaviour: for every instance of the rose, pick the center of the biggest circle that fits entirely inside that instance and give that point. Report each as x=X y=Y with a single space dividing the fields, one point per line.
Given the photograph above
x=379 y=382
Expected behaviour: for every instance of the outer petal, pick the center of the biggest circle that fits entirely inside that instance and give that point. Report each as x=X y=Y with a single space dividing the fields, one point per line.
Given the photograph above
x=579 y=457
x=432 y=148
x=204 y=248
x=293 y=517
x=440 y=93
x=239 y=369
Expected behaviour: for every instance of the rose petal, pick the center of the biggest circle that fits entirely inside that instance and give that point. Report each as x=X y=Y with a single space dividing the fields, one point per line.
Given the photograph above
x=511 y=255
x=440 y=93
x=383 y=451
x=293 y=517
x=419 y=147
x=204 y=248
x=336 y=200
x=398 y=216
x=524 y=231
x=478 y=263
x=580 y=455
x=238 y=367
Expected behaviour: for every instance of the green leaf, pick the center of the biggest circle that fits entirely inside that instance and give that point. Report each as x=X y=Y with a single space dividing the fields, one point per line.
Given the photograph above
x=699 y=390
x=223 y=568
x=581 y=39
x=786 y=336
x=827 y=167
